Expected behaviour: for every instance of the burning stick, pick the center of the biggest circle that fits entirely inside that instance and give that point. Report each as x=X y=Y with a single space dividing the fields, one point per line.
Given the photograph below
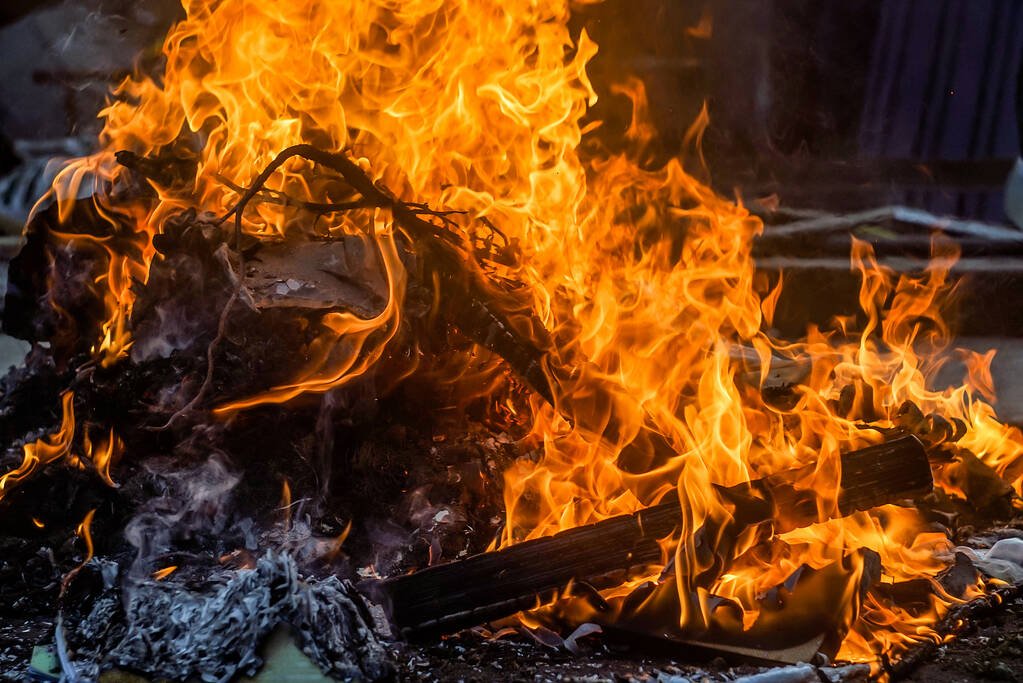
x=446 y=598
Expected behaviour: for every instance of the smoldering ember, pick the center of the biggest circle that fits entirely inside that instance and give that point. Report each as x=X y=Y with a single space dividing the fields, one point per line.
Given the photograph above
x=450 y=340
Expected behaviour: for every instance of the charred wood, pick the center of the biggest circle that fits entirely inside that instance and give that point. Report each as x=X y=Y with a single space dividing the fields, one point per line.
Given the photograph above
x=473 y=301
x=959 y=620
x=42 y=273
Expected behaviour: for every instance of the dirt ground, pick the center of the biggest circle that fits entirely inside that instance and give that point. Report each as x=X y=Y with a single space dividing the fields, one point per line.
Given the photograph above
x=466 y=658
x=990 y=651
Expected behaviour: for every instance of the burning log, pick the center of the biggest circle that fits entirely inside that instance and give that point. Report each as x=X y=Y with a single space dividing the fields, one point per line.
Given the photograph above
x=448 y=597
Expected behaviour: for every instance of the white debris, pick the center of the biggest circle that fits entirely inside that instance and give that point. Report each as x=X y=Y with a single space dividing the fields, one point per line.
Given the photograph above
x=1010 y=549
x=172 y=631
x=442 y=516
x=572 y=642
x=800 y=673
x=1003 y=561
x=664 y=677
x=853 y=673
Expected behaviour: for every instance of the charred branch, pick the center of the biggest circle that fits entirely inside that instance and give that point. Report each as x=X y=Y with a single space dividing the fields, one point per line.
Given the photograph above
x=958 y=621
x=468 y=296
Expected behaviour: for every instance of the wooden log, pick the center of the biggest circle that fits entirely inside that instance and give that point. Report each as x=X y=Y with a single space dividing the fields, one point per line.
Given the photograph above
x=446 y=598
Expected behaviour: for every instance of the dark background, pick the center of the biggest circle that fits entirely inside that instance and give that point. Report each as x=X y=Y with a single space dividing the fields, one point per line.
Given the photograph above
x=825 y=104
x=833 y=105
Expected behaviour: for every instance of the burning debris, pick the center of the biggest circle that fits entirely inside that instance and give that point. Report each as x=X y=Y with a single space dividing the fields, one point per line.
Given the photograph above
x=498 y=584
x=382 y=314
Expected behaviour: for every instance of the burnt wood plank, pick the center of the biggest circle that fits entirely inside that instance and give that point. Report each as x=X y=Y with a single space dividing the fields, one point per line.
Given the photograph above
x=448 y=597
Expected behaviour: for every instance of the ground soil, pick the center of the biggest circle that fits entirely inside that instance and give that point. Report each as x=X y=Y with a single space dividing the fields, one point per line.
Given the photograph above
x=467 y=658
x=991 y=650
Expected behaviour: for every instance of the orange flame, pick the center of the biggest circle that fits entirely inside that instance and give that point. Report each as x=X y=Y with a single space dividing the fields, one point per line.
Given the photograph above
x=161 y=574
x=45 y=450
x=84 y=531
x=285 y=505
x=103 y=453
x=54 y=447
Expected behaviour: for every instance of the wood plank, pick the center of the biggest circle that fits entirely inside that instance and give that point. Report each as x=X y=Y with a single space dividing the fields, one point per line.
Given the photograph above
x=449 y=597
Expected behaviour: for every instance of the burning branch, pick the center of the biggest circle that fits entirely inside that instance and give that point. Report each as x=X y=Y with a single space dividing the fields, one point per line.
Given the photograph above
x=446 y=598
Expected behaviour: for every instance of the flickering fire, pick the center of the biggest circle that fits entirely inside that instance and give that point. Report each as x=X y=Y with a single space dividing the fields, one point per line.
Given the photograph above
x=161 y=574
x=643 y=279
x=45 y=450
x=99 y=454
x=84 y=532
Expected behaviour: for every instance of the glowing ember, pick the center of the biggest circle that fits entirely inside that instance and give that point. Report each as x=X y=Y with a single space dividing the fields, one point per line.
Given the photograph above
x=642 y=279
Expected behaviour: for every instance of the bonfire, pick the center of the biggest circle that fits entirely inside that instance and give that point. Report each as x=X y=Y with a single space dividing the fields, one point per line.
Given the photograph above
x=359 y=321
